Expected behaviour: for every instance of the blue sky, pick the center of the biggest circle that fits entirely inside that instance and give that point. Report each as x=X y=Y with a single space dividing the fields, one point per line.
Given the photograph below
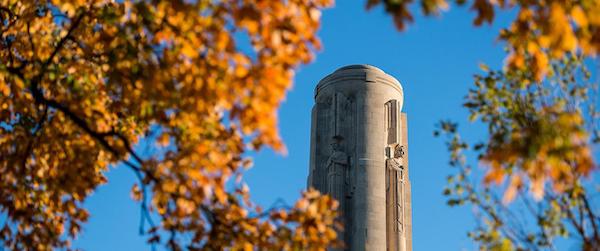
x=434 y=60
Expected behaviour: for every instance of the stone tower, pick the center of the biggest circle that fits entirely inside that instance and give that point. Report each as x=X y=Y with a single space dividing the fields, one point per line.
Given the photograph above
x=359 y=155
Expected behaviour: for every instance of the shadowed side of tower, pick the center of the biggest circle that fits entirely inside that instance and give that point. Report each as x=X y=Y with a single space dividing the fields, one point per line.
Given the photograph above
x=359 y=156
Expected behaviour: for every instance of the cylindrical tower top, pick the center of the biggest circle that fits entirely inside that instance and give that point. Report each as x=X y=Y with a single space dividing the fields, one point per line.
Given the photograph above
x=366 y=73
x=357 y=125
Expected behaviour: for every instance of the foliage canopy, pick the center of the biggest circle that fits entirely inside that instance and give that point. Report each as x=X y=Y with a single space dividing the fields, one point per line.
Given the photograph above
x=543 y=30
x=82 y=82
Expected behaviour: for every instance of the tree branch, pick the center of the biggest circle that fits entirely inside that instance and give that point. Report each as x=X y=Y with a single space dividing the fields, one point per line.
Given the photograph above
x=30 y=38
x=81 y=123
x=592 y=217
x=58 y=48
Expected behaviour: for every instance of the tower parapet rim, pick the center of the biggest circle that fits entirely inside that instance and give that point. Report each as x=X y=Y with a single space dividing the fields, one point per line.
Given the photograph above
x=366 y=73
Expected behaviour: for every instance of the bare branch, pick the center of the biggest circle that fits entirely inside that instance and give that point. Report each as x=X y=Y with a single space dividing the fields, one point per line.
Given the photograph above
x=591 y=217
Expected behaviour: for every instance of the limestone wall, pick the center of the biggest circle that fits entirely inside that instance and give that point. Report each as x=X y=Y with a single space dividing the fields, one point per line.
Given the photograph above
x=353 y=130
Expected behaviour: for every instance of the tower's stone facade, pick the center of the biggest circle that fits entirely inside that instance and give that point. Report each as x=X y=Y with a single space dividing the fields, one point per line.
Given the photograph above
x=359 y=155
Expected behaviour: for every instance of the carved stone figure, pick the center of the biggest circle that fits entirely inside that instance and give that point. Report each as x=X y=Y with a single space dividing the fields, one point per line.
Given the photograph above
x=336 y=171
x=397 y=160
x=395 y=197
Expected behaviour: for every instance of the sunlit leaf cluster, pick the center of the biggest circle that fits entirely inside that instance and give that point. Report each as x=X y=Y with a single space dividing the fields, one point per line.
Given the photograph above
x=540 y=32
x=538 y=130
x=536 y=184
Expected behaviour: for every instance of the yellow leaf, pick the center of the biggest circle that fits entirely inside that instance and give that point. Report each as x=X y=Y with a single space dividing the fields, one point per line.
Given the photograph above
x=188 y=50
x=164 y=139
x=513 y=188
x=248 y=246
x=537 y=188
x=579 y=16
x=136 y=193
x=169 y=186
x=4 y=89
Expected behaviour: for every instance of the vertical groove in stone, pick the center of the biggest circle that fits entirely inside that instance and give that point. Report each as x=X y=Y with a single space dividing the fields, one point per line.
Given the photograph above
x=408 y=209
x=391 y=114
x=313 y=133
